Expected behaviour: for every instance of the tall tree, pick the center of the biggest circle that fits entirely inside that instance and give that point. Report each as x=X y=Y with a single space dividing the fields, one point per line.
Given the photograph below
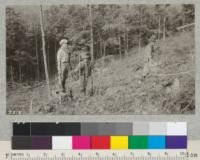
x=91 y=33
x=164 y=20
x=37 y=57
x=44 y=48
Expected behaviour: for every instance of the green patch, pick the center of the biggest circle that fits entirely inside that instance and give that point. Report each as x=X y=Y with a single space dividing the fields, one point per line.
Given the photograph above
x=138 y=142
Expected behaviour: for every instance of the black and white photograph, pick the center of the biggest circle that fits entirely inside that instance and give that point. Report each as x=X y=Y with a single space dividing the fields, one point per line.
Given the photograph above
x=100 y=59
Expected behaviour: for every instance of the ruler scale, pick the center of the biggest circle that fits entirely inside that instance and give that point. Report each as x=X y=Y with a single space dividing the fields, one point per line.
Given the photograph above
x=120 y=155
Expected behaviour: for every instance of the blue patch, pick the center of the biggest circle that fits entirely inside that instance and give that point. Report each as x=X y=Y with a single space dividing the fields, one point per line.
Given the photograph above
x=156 y=142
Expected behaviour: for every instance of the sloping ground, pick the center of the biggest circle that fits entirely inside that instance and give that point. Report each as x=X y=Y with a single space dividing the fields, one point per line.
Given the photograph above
x=118 y=86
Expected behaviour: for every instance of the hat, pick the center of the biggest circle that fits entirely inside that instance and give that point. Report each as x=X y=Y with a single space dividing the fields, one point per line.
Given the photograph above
x=63 y=41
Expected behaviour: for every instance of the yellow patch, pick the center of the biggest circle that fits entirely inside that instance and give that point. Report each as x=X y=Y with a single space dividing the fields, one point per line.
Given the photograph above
x=119 y=142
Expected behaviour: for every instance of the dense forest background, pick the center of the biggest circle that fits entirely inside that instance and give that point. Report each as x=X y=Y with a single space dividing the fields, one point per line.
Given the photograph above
x=117 y=36
x=116 y=30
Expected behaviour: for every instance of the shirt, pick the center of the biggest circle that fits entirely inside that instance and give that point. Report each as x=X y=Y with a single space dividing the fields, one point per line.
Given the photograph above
x=62 y=57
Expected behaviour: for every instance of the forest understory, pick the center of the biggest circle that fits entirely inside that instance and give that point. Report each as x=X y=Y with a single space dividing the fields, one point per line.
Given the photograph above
x=118 y=86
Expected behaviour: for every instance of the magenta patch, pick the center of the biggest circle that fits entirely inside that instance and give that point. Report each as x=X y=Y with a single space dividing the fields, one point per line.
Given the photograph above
x=81 y=142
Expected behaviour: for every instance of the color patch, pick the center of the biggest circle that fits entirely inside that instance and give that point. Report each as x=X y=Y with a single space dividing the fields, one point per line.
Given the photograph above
x=54 y=129
x=61 y=142
x=88 y=129
x=119 y=142
x=106 y=129
x=21 y=142
x=158 y=128
x=41 y=142
x=138 y=142
x=81 y=142
x=140 y=128
x=123 y=129
x=176 y=128
x=100 y=142
x=21 y=129
x=114 y=129
x=176 y=142
x=156 y=142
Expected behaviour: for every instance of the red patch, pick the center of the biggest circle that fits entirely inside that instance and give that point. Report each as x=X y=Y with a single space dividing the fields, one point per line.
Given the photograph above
x=100 y=142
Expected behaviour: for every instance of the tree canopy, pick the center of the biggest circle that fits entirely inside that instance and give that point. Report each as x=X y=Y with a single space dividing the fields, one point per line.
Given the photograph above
x=116 y=29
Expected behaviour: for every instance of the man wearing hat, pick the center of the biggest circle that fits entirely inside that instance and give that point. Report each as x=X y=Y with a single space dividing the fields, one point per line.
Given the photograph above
x=84 y=68
x=63 y=63
x=149 y=53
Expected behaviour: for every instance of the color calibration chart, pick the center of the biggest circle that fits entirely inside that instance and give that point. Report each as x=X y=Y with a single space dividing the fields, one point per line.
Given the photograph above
x=100 y=136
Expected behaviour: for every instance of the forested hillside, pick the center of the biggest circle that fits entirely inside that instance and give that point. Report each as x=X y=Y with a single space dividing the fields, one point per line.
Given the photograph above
x=120 y=34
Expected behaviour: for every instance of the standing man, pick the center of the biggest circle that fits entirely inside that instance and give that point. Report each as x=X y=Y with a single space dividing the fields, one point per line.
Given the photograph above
x=150 y=49
x=63 y=63
x=84 y=68
x=149 y=54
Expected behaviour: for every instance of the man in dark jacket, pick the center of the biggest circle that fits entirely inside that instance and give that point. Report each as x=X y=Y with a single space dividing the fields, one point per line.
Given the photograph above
x=84 y=69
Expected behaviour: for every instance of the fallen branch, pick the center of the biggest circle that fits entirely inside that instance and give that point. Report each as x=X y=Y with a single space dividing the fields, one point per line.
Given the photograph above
x=187 y=25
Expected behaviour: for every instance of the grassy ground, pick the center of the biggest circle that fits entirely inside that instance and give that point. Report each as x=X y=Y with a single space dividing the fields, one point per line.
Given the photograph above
x=118 y=86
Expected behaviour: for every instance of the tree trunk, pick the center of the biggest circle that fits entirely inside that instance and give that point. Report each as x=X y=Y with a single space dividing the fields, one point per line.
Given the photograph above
x=139 y=43
x=159 y=30
x=44 y=49
x=79 y=71
x=48 y=56
x=101 y=49
x=91 y=34
x=125 y=44
x=120 y=47
x=37 y=56
x=104 y=52
x=55 y=49
x=104 y=49
x=164 y=28
x=20 y=73
x=11 y=73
